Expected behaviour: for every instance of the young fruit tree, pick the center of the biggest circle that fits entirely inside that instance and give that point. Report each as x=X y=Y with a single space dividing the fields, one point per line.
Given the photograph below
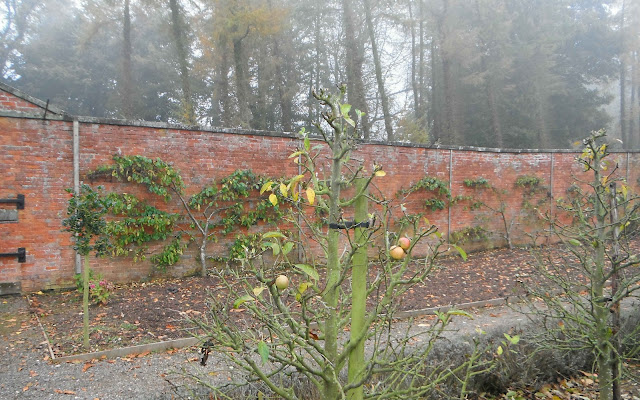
x=534 y=198
x=324 y=316
x=586 y=286
x=221 y=207
x=85 y=221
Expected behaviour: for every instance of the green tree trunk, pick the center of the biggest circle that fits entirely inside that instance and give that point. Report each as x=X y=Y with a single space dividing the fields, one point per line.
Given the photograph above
x=331 y=294
x=85 y=302
x=359 y=294
x=601 y=309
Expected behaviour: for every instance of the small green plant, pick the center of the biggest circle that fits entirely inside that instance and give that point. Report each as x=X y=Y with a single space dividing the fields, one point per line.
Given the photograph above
x=528 y=181
x=242 y=244
x=170 y=254
x=80 y=282
x=99 y=288
x=128 y=326
x=471 y=233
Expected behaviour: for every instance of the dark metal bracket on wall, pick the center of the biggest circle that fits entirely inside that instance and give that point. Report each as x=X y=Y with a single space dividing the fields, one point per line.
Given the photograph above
x=350 y=225
x=19 y=201
x=21 y=254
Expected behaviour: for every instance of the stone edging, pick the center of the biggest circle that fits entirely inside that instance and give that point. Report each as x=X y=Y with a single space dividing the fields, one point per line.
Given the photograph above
x=192 y=341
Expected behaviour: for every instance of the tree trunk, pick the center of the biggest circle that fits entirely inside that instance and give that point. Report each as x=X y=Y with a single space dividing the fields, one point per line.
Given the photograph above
x=331 y=294
x=448 y=125
x=203 y=256
x=378 y=69
x=496 y=125
x=601 y=309
x=623 y=91
x=616 y=362
x=242 y=84
x=177 y=25
x=85 y=303
x=434 y=109
x=355 y=59
x=264 y=75
x=421 y=73
x=286 y=108
x=221 y=90
x=126 y=87
x=447 y=85
x=414 y=72
x=632 y=135
x=359 y=293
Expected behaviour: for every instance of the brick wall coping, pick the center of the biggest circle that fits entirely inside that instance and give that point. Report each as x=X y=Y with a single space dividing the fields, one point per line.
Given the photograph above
x=22 y=95
x=58 y=115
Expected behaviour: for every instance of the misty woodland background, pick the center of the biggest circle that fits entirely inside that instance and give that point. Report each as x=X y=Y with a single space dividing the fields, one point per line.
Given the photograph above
x=498 y=73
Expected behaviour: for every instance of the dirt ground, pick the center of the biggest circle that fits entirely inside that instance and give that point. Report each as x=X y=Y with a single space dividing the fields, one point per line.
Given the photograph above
x=148 y=312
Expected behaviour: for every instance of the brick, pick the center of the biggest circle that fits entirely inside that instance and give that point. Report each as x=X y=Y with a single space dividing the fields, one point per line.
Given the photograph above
x=36 y=160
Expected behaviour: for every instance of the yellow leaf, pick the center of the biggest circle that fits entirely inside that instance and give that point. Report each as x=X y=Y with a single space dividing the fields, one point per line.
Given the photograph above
x=283 y=189
x=296 y=154
x=266 y=186
x=273 y=199
x=311 y=195
x=380 y=173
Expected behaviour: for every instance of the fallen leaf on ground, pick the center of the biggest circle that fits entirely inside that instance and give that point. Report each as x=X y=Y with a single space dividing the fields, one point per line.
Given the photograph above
x=69 y=392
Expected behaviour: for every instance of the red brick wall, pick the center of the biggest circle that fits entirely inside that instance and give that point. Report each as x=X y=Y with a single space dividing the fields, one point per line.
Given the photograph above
x=36 y=160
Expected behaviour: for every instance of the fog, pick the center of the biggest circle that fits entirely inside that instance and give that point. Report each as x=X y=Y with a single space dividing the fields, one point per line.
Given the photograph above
x=509 y=74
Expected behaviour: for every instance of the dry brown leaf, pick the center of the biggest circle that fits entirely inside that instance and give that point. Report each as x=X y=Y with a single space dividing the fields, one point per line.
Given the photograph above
x=69 y=392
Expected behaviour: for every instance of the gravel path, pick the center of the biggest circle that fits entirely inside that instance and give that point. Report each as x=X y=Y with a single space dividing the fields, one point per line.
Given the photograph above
x=27 y=373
